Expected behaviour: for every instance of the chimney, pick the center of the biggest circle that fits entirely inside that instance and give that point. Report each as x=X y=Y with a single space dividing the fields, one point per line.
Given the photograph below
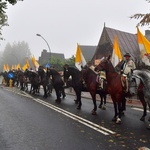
x=147 y=34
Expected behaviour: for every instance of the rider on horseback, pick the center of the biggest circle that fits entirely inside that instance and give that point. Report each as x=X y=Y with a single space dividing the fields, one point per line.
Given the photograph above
x=126 y=69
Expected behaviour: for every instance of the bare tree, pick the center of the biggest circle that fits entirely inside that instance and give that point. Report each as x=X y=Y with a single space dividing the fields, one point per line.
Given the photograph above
x=145 y=18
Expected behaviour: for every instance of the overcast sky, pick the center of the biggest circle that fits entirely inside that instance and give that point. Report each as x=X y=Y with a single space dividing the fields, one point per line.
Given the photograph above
x=64 y=23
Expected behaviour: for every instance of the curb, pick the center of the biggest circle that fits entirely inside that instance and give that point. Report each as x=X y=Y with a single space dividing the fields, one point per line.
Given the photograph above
x=130 y=101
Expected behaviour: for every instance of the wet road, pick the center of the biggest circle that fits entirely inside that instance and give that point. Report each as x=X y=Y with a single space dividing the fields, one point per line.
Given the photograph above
x=34 y=123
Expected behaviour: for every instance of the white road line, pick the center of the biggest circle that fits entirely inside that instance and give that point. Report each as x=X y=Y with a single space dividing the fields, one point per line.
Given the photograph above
x=79 y=119
x=139 y=109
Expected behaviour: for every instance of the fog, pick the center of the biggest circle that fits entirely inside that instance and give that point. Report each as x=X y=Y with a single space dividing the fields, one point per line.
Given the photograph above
x=64 y=23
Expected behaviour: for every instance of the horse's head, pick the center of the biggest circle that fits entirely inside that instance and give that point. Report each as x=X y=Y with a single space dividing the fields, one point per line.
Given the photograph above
x=104 y=65
x=133 y=85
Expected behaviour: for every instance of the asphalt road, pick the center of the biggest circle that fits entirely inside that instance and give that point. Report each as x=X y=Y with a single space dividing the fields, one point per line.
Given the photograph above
x=32 y=123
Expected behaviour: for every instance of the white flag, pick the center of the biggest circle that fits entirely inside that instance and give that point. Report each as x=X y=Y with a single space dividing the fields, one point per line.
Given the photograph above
x=116 y=55
x=144 y=46
x=79 y=60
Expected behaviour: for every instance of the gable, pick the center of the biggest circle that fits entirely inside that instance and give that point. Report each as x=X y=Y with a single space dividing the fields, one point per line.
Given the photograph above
x=88 y=51
x=127 y=43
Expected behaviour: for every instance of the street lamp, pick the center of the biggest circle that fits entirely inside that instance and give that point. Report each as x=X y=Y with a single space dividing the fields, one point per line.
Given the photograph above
x=46 y=43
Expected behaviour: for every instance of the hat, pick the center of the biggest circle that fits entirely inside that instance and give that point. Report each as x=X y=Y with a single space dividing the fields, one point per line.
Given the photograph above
x=127 y=54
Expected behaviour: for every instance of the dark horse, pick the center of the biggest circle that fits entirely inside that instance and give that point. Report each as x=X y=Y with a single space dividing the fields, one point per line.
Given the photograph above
x=89 y=77
x=114 y=87
x=33 y=79
x=57 y=83
x=43 y=80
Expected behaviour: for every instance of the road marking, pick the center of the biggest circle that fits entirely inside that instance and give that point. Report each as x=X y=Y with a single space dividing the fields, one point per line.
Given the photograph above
x=79 y=119
x=139 y=109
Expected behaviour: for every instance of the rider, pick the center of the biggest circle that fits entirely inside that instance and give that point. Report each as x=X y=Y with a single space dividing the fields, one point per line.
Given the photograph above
x=126 y=69
x=101 y=76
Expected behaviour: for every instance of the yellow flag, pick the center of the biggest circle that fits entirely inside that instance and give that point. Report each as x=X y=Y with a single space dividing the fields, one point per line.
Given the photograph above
x=7 y=67
x=34 y=62
x=12 y=67
x=144 y=46
x=79 y=60
x=4 y=68
x=24 y=67
x=18 y=66
x=27 y=63
x=116 y=55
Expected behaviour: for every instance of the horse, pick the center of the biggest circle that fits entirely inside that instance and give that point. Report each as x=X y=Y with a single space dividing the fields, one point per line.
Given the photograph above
x=142 y=79
x=114 y=87
x=78 y=86
x=21 y=80
x=5 y=76
x=43 y=80
x=33 y=78
x=57 y=83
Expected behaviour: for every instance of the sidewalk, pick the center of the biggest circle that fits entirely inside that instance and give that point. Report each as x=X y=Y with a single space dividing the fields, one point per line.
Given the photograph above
x=133 y=102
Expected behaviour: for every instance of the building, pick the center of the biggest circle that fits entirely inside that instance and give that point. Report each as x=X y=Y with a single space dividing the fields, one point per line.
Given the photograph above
x=88 y=51
x=47 y=56
x=127 y=43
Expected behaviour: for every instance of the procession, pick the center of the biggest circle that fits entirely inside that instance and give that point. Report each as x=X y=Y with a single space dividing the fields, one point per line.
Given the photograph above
x=70 y=95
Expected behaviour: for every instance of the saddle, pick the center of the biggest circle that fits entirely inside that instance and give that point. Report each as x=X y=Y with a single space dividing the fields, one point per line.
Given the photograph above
x=102 y=82
x=125 y=84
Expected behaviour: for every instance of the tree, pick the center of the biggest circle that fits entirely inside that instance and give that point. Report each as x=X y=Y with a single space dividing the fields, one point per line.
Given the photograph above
x=3 y=16
x=145 y=18
x=16 y=53
x=71 y=61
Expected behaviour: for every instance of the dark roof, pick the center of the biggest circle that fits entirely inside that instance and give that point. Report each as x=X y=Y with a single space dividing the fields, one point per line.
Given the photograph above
x=88 y=52
x=127 y=43
x=45 y=56
x=58 y=55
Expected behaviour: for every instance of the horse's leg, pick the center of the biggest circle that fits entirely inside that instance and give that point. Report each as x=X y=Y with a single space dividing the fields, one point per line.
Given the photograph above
x=141 y=97
x=93 y=94
x=115 y=108
x=58 y=99
x=45 y=91
x=101 y=101
x=78 y=96
x=63 y=92
x=104 y=99
x=123 y=107
x=118 y=121
x=31 y=88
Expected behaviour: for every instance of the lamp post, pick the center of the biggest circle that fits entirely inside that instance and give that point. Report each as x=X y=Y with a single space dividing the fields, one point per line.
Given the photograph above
x=47 y=45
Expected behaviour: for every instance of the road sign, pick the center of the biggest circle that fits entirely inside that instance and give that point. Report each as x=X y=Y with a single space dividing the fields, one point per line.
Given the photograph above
x=10 y=75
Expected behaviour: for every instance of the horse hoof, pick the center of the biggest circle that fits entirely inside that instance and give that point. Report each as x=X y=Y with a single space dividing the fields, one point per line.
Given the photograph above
x=118 y=121
x=79 y=107
x=142 y=119
x=114 y=119
x=94 y=112
x=64 y=96
x=76 y=102
x=122 y=113
x=104 y=107
x=58 y=101
x=148 y=127
x=100 y=106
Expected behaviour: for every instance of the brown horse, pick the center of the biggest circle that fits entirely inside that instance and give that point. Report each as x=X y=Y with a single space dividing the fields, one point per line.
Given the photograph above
x=114 y=87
